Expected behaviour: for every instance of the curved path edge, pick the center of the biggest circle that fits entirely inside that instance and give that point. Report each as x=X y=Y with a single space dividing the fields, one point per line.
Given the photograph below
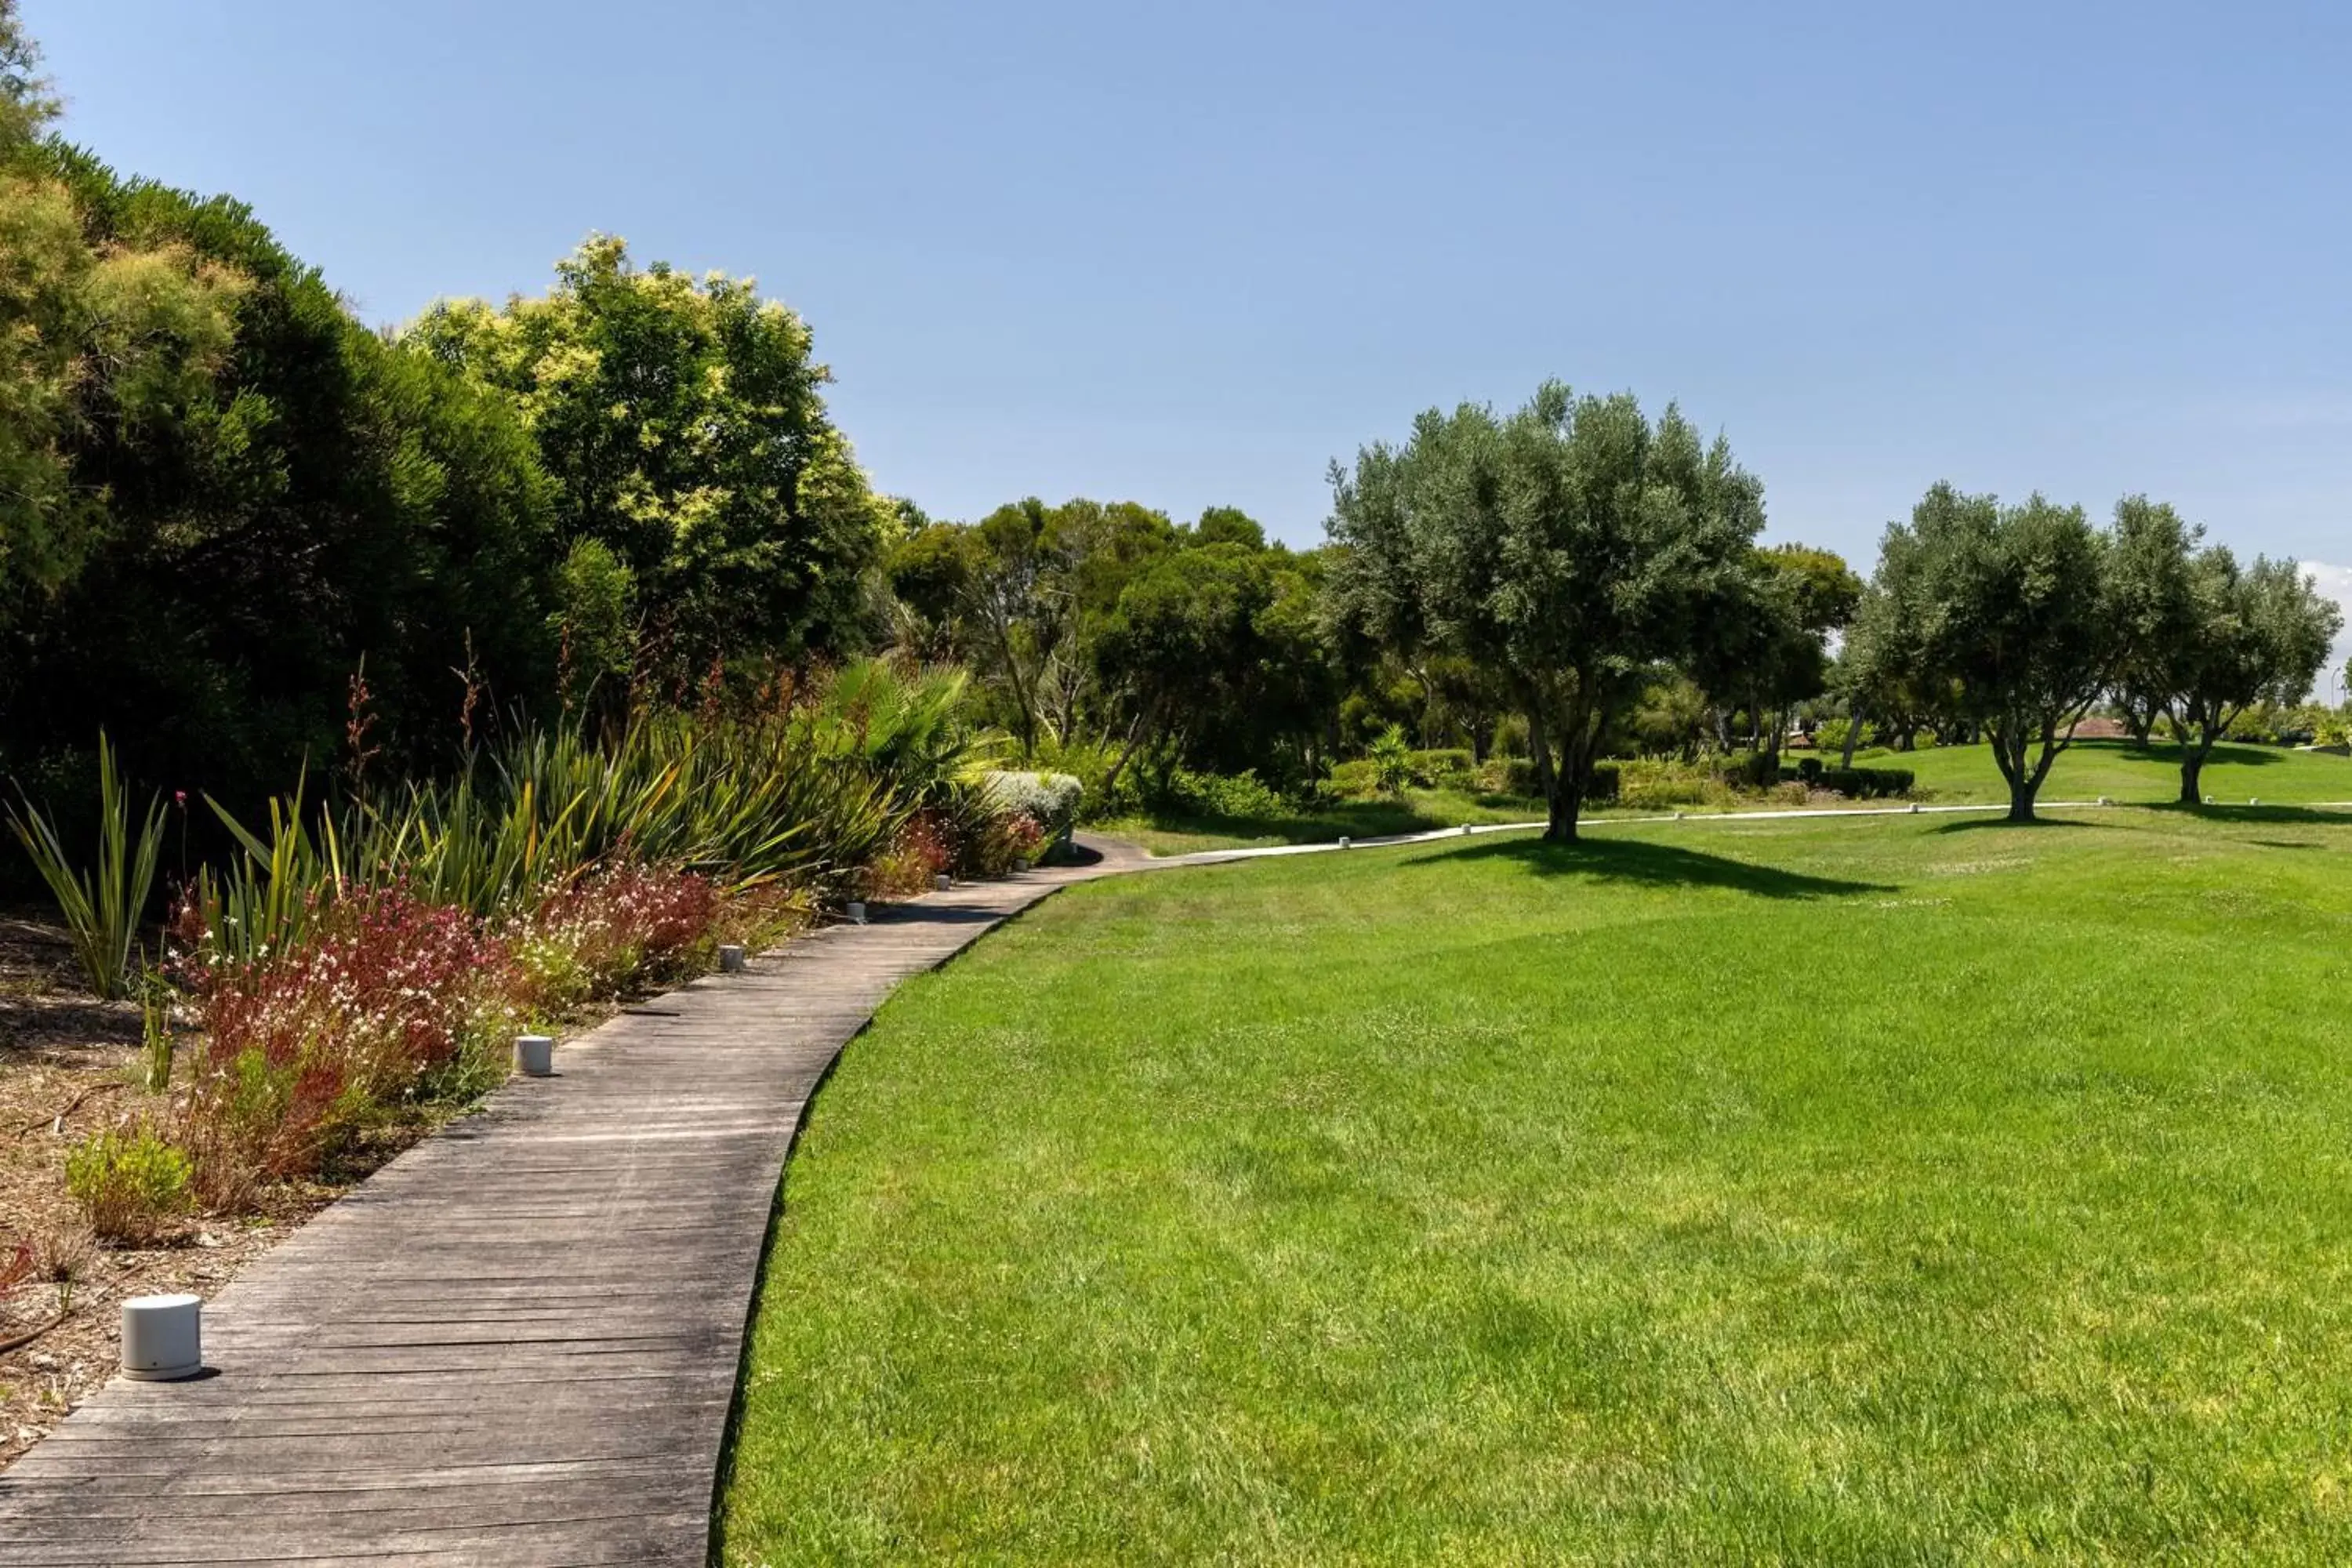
x=516 y=1344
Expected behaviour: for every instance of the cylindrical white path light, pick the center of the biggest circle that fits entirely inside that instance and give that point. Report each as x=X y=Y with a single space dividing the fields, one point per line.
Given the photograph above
x=855 y=914
x=942 y=882
x=534 y=1055
x=162 y=1338
x=730 y=958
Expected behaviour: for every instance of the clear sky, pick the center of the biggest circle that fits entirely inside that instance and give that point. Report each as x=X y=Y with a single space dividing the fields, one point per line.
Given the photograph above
x=1189 y=254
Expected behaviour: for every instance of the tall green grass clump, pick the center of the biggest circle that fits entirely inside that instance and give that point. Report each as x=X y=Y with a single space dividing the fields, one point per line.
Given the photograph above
x=101 y=906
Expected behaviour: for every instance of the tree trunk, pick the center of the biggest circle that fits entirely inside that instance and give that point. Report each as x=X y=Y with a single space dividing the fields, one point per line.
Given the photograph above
x=2192 y=769
x=1852 y=735
x=1135 y=736
x=1561 y=828
x=2009 y=755
x=1559 y=789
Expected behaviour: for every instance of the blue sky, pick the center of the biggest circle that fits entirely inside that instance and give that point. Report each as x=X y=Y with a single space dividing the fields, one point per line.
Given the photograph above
x=1190 y=254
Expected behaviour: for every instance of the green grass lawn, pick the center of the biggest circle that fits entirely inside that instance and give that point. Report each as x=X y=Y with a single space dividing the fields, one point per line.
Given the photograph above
x=1894 y=1190
x=2089 y=769
x=1418 y=811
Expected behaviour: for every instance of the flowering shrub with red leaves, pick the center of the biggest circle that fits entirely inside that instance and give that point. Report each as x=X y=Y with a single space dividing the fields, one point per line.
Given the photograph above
x=389 y=1002
x=1007 y=843
x=923 y=848
x=599 y=935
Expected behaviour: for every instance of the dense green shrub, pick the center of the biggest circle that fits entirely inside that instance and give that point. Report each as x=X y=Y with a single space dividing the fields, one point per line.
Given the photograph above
x=129 y=1183
x=1242 y=795
x=1507 y=776
x=1868 y=783
x=1444 y=768
x=1747 y=770
x=1352 y=780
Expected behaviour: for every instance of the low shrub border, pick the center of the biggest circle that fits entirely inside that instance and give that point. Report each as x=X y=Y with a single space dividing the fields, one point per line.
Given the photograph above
x=356 y=971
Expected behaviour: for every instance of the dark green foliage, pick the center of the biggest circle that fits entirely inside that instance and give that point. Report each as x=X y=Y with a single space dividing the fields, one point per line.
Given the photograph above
x=326 y=498
x=1866 y=783
x=1443 y=767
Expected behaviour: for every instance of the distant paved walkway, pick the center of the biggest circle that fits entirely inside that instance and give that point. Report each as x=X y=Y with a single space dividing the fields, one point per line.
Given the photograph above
x=517 y=1342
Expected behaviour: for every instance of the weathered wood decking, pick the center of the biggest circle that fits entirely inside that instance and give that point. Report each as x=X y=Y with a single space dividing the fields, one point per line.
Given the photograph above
x=517 y=1342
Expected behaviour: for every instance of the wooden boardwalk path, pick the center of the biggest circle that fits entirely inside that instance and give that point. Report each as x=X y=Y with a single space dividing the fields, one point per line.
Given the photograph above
x=516 y=1344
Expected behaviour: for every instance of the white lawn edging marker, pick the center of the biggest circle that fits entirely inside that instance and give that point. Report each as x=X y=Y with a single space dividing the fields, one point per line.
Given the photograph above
x=162 y=1338
x=534 y=1055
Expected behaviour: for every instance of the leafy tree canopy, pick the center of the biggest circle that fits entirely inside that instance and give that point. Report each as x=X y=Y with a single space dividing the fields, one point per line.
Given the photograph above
x=2006 y=610
x=1569 y=547
x=680 y=421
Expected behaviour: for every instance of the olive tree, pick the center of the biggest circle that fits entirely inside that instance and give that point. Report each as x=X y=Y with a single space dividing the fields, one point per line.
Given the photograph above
x=1570 y=547
x=2152 y=554
x=2255 y=634
x=2200 y=639
x=2006 y=617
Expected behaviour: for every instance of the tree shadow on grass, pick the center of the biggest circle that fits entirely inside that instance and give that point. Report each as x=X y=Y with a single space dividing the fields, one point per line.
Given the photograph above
x=2237 y=753
x=1359 y=819
x=1649 y=864
x=1995 y=823
x=2253 y=816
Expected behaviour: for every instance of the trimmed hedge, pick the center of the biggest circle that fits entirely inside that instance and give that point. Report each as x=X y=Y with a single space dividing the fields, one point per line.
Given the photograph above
x=1868 y=783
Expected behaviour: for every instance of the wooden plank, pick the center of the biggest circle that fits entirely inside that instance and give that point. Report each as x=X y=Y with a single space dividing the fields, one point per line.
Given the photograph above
x=516 y=1344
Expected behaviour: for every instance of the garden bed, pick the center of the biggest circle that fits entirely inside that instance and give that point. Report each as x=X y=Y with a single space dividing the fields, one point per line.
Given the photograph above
x=68 y=1066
